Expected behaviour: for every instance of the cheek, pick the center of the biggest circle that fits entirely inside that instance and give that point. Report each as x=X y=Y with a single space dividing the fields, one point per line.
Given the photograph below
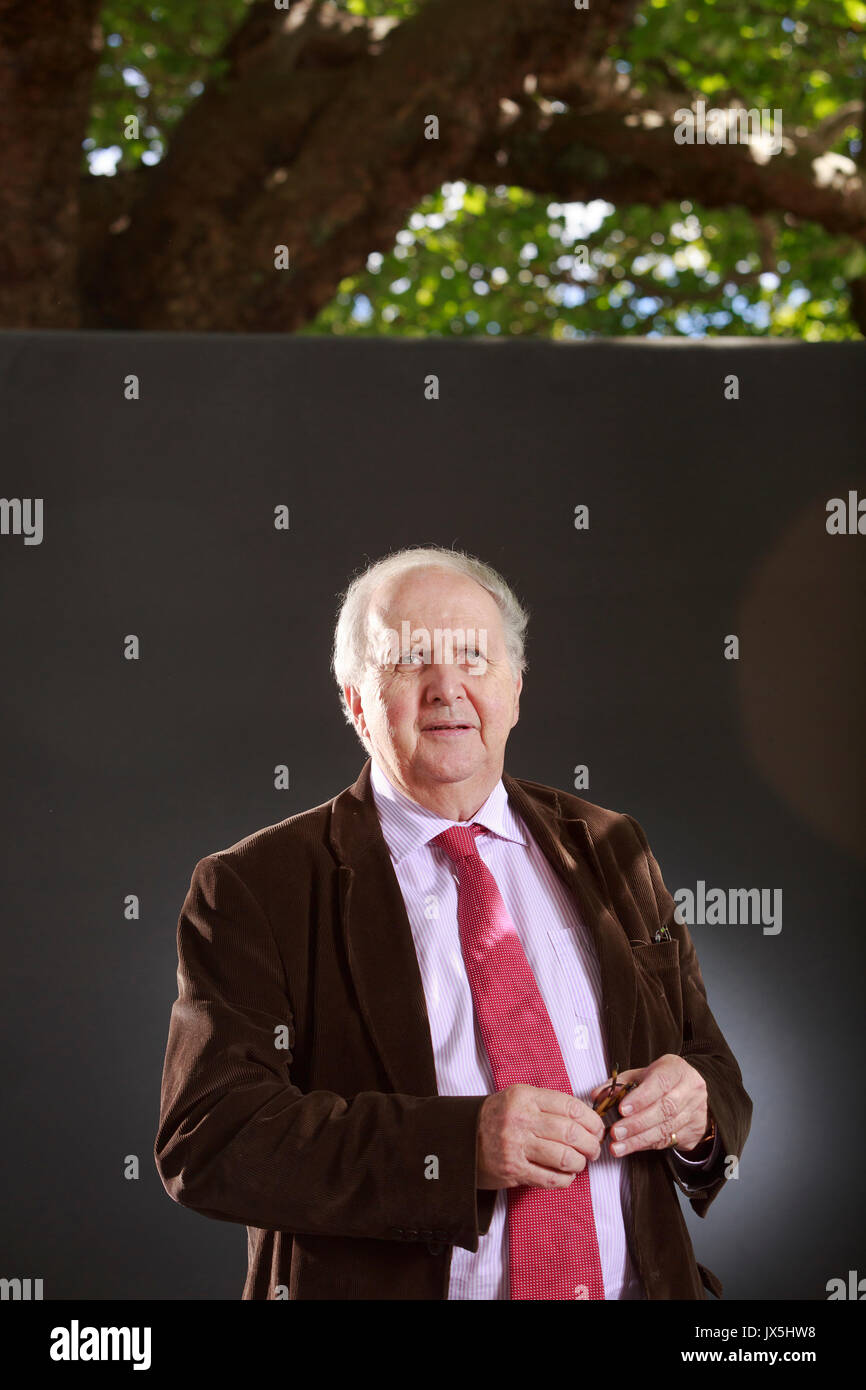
x=377 y=711
x=396 y=709
x=497 y=707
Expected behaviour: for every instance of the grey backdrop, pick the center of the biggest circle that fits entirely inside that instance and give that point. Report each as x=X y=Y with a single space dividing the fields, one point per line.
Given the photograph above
x=706 y=518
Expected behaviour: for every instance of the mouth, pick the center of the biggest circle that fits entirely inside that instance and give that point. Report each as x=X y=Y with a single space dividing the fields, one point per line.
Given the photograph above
x=448 y=730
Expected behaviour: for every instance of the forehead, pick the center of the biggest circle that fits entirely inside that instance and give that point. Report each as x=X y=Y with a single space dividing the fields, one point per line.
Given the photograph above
x=434 y=598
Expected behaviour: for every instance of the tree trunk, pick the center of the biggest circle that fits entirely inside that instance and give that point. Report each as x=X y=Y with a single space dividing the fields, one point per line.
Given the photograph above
x=48 y=53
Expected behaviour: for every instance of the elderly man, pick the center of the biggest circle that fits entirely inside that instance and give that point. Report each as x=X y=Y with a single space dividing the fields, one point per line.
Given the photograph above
x=398 y=1011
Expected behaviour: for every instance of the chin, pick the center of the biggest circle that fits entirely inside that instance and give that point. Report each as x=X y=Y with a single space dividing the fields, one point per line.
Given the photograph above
x=455 y=769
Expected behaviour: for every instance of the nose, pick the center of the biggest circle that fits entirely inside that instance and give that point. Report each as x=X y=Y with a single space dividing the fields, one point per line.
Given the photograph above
x=444 y=682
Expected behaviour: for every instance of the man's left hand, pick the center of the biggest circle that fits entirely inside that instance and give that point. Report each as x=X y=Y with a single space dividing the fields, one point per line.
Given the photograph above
x=670 y=1099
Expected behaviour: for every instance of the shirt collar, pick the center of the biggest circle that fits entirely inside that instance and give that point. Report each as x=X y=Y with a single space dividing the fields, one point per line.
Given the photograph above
x=406 y=825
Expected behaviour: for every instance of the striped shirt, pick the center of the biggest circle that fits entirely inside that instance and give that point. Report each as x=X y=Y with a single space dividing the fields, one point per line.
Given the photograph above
x=563 y=960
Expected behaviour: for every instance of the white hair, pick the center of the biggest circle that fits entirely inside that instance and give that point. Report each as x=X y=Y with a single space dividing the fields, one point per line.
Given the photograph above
x=351 y=651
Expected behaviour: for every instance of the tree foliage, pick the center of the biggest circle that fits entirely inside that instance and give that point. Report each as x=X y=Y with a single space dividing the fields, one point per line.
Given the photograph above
x=499 y=259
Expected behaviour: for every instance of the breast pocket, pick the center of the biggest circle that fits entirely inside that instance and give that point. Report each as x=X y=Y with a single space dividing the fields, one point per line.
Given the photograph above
x=660 y=997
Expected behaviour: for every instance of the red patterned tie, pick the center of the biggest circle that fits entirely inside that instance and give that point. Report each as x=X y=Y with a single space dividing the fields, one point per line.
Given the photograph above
x=552 y=1236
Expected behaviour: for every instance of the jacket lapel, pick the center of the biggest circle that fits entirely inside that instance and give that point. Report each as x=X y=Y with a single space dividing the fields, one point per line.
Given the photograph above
x=378 y=942
x=380 y=950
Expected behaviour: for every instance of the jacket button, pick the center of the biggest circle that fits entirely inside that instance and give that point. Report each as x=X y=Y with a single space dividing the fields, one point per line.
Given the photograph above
x=435 y=1248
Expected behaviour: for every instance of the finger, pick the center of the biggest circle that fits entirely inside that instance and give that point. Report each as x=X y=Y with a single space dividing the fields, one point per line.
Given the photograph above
x=656 y=1136
x=658 y=1081
x=570 y=1107
x=635 y=1074
x=671 y=1112
x=631 y=1074
x=559 y=1158
x=641 y=1109
x=556 y=1102
x=564 y=1131
x=536 y=1176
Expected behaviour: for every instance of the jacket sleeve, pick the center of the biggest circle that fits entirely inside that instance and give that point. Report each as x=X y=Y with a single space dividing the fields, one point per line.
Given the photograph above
x=238 y=1141
x=697 y=1173
x=705 y=1049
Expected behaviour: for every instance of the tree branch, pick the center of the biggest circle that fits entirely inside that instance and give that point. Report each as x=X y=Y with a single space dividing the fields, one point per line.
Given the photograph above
x=578 y=156
x=315 y=139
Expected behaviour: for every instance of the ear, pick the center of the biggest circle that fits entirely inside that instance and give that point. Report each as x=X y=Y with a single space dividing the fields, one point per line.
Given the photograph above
x=356 y=709
x=517 y=689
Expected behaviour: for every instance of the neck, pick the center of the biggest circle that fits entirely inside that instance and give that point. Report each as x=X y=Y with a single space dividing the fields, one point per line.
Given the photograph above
x=456 y=801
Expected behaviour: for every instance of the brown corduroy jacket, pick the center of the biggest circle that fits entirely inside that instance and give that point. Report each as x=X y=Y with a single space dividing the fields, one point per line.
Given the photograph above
x=299 y=1090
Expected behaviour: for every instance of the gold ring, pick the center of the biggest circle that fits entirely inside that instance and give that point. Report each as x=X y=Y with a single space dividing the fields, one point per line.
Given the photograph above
x=673 y=1142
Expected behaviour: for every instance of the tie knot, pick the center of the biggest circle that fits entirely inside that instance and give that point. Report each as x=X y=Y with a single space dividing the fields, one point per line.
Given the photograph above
x=458 y=841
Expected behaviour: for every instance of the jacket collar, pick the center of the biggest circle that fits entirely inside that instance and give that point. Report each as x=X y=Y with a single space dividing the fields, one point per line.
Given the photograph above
x=378 y=937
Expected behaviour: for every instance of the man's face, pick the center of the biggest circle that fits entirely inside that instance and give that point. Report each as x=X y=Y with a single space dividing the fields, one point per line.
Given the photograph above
x=437 y=716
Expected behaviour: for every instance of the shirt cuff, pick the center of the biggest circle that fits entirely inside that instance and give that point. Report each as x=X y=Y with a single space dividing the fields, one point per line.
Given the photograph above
x=700 y=1162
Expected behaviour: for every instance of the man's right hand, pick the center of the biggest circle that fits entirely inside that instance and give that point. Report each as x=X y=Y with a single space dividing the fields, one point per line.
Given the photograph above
x=531 y=1137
